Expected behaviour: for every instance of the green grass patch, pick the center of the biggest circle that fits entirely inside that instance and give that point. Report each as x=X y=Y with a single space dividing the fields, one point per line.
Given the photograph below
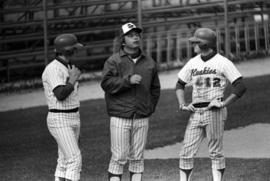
x=28 y=152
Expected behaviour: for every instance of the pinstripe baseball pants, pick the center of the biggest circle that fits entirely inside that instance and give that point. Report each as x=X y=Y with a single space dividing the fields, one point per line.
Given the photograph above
x=65 y=128
x=209 y=123
x=128 y=140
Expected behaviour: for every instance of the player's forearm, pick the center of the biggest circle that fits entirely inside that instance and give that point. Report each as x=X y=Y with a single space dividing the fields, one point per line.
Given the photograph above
x=238 y=90
x=229 y=100
x=180 y=91
x=180 y=96
x=63 y=91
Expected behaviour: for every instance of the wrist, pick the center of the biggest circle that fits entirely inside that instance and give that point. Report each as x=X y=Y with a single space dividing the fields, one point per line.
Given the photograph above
x=222 y=104
x=72 y=82
x=129 y=79
x=181 y=106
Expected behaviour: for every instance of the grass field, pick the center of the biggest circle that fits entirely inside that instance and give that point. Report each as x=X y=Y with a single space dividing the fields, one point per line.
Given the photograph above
x=28 y=152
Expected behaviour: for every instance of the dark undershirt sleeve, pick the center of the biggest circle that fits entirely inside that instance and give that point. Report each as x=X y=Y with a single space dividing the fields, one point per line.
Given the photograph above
x=61 y=92
x=180 y=84
x=238 y=87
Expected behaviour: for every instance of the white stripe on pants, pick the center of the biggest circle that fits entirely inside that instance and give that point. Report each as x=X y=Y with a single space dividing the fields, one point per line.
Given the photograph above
x=65 y=128
x=201 y=124
x=128 y=140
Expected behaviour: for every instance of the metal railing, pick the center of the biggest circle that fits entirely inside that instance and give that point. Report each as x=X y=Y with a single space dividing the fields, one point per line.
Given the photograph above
x=169 y=47
x=246 y=39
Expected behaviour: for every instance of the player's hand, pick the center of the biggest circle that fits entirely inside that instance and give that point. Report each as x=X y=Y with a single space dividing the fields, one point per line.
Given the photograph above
x=215 y=104
x=135 y=79
x=74 y=74
x=189 y=108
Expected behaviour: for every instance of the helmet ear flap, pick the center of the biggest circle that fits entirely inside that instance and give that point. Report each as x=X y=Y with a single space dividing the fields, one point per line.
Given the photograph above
x=65 y=52
x=203 y=45
x=69 y=52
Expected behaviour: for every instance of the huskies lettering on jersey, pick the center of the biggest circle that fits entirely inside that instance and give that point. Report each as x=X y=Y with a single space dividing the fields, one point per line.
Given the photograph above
x=206 y=70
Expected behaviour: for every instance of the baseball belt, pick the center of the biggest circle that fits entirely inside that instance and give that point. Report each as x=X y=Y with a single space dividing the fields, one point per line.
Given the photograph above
x=64 y=111
x=203 y=104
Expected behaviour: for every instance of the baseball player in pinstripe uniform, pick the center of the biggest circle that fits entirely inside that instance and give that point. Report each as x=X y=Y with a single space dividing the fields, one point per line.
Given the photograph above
x=60 y=81
x=208 y=73
x=132 y=89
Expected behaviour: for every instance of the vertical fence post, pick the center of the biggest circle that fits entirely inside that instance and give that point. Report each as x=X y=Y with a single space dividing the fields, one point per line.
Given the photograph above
x=148 y=44
x=45 y=33
x=139 y=12
x=227 y=33
x=266 y=37
x=139 y=15
x=263 y=28
x=189 y=49
x=169 y=42
x=178 y=46
x=247 y=45
x=256 y=32
x=218 y=39
x=158 y=48
x=237 y=40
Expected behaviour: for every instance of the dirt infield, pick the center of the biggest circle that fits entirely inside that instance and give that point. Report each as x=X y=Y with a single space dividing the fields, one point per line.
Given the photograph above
x=246 y=142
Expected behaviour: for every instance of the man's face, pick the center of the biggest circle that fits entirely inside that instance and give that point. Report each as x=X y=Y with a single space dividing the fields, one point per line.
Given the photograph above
x=71 y=52
x=196 y=47
x=71 y=55
x=132 y=39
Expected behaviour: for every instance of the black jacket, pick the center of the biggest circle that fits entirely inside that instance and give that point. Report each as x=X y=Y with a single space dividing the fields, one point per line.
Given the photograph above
x=124 y=99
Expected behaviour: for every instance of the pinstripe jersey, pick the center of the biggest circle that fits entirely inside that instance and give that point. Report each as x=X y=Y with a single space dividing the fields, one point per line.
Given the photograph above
x=208 y=78
x=64 y=127
x=56 y=74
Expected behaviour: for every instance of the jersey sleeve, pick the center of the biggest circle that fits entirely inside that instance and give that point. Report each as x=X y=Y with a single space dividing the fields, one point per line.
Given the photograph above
x=56 y=77
x=185 y=73
x=230 y=71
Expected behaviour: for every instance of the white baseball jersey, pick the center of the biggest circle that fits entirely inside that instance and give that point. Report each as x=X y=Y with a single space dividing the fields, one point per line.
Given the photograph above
x=208 y=78
x=64 y=127
x=56 y=74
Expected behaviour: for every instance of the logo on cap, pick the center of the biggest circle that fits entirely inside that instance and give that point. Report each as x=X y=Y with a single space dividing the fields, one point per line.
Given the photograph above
x=131 y=25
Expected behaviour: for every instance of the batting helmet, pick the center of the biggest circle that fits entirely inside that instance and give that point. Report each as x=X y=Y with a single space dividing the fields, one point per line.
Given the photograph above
x=66 y=43
x=205 y=37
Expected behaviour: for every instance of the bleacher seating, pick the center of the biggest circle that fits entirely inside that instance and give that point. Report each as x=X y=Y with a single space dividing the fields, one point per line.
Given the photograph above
x=95 y=23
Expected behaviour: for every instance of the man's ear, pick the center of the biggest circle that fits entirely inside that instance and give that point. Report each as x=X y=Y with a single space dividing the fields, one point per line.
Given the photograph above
x=70 y=52
x=123 y=40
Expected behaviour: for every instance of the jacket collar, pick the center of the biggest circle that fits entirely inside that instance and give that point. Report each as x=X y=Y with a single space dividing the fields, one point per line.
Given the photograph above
x=122 y=53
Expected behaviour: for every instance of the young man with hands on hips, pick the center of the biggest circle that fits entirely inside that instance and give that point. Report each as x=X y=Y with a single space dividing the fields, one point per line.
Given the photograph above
x=208 y=73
